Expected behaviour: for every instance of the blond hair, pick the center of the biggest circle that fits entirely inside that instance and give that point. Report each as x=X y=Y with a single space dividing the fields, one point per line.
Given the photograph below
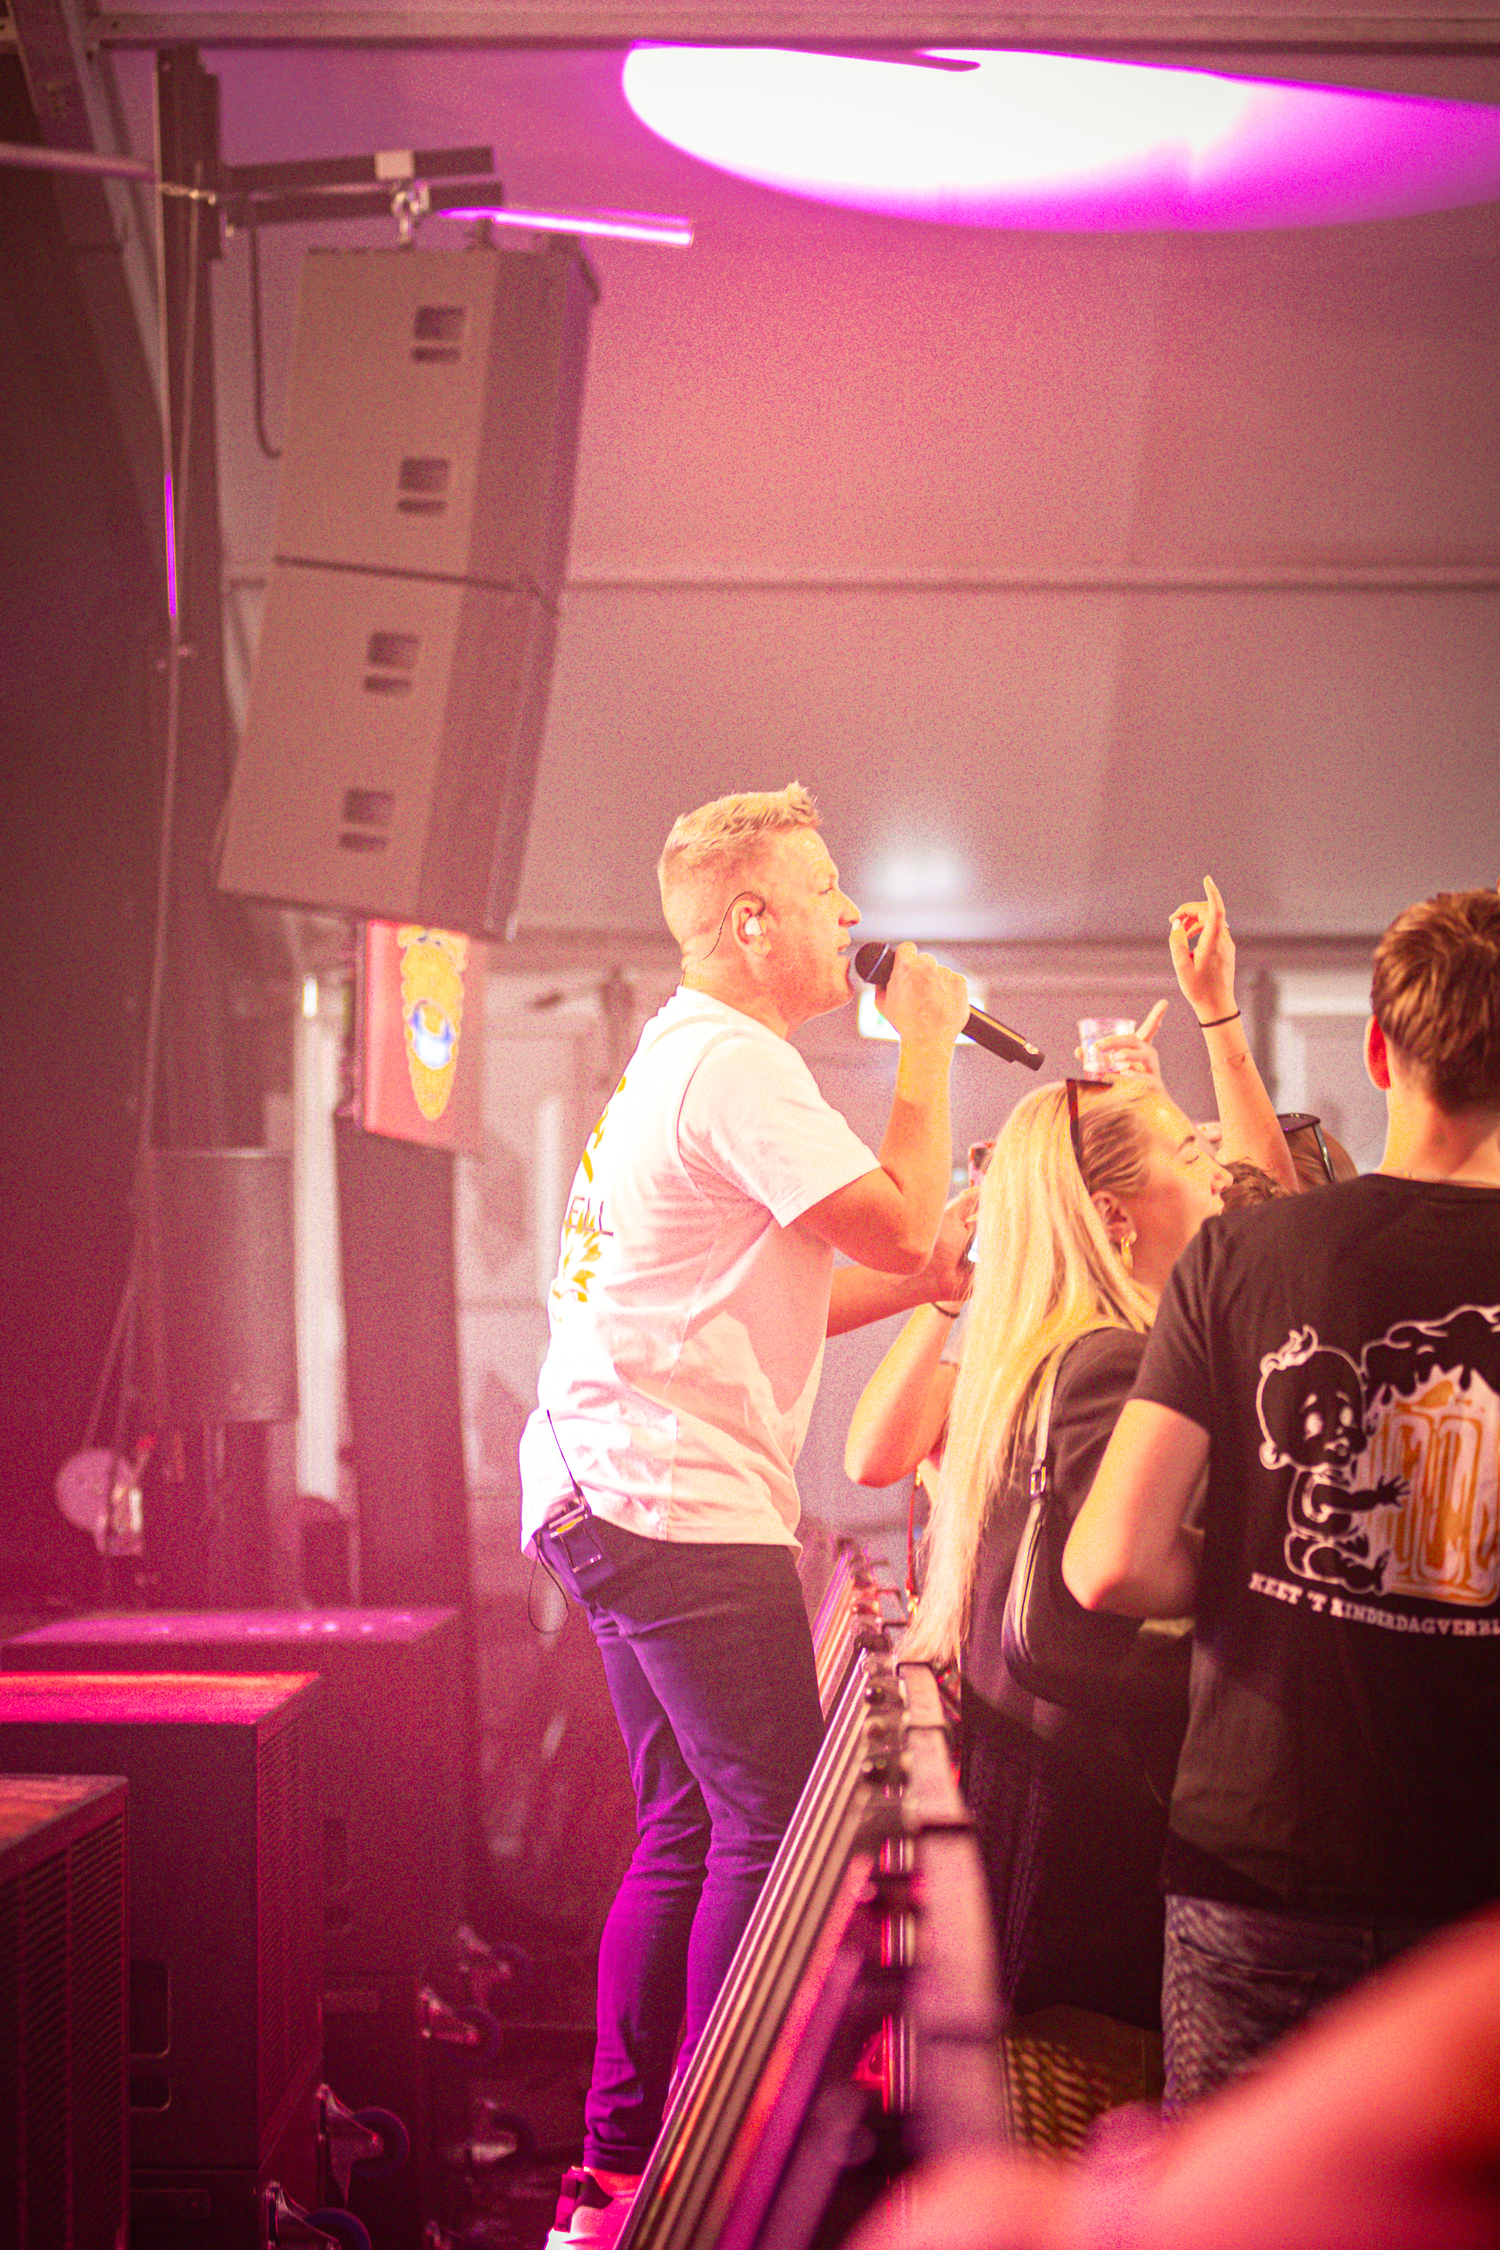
x=1045 y=1274
x=708 y=850
x=727 y=831
x=1435 y=994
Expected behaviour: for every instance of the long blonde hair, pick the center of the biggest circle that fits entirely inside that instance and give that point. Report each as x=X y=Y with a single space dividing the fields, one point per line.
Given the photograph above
x=1045 y=1274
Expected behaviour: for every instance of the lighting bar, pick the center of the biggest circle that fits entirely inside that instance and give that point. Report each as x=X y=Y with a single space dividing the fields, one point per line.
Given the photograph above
x=671 y=231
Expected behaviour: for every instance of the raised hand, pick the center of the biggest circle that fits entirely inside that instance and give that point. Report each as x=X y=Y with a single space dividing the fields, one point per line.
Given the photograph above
x=1203 y=954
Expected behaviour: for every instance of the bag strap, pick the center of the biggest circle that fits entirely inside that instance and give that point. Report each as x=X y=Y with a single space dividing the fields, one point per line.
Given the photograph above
x=1043 y=1426
x=1039 y=1471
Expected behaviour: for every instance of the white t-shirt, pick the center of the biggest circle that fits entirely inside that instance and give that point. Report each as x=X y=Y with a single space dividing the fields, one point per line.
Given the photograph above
x=689 y=1312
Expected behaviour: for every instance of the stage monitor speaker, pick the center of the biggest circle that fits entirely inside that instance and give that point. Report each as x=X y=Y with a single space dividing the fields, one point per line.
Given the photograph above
x=62 y=2012
x=391 y=1718
x=400 y=689
x=390 y=751
x=223 y=1226
x=432 y=420
x=226 y=1916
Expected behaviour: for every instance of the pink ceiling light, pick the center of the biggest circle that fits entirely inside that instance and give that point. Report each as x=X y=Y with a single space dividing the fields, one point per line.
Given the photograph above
x=1027 y=140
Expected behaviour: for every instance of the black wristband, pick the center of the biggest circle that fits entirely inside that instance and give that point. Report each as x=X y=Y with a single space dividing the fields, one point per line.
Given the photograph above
x=944 y=1310
x=1215 y=1021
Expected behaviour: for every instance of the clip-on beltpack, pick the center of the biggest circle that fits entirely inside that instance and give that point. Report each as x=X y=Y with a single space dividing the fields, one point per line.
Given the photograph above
x=569 y=1545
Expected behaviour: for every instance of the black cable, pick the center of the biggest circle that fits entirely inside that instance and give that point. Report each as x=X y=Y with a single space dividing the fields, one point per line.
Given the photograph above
x=257 y=353
x=545 y=1632
x=125 y=1335
x=760 y=908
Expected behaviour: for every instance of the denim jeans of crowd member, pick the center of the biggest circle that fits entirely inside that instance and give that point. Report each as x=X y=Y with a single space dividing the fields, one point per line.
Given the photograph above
x=709 y=1662
x=1238 y=1978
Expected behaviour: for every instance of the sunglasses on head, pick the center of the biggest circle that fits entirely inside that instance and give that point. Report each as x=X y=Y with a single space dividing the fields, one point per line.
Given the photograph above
x=1303 y=1121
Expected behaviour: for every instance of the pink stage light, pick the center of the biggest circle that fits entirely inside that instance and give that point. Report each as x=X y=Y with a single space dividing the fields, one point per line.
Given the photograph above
x=666 y=228
x=1056 y=141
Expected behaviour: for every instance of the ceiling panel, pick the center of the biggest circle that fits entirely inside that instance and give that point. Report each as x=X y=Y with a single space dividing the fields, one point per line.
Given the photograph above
x=1060 y=566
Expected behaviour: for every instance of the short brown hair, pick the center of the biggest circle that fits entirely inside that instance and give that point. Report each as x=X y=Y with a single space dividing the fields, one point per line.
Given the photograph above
x=1435 y=994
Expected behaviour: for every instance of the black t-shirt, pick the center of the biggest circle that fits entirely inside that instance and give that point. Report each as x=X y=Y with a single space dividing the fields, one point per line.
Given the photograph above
x=1343 y=1351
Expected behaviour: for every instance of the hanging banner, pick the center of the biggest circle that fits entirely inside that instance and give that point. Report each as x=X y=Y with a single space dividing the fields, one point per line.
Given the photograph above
x=422 y=1035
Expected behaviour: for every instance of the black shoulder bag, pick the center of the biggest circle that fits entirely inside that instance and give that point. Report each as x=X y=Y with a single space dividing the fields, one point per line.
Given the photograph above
x=1085 y=1660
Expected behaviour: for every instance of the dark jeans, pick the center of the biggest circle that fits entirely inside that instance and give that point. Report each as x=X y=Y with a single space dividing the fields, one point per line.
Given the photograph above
x=1238 y=1978
x=709 y=1661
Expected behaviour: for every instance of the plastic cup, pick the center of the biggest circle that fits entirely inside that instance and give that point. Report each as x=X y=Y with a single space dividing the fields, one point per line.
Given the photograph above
x=1091 y=1029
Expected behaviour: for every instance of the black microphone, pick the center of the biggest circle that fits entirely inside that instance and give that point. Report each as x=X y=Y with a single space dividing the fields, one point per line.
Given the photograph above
x=875 y=962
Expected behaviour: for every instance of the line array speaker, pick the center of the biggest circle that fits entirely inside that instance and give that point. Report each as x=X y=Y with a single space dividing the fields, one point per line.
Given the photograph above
x=433 y=415
x=406 y=650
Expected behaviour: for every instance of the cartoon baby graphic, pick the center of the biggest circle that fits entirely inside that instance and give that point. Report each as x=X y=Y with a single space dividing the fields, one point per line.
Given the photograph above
x=1312 y=1413
x=1393 y=1460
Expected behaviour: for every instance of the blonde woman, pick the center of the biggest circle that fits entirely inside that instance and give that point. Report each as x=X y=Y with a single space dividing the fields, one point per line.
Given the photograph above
x=1093 y=1190
x=899 y=1423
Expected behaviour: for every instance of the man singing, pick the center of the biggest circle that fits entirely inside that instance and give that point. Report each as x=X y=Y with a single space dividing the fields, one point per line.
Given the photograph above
x=695 y=1289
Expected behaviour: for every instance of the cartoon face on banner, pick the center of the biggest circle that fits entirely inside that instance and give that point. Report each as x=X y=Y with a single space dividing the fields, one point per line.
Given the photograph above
x=432 y=1011
x=421 y=1062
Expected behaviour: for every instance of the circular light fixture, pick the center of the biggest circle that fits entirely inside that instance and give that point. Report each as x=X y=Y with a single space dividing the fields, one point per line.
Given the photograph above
x=969 y=137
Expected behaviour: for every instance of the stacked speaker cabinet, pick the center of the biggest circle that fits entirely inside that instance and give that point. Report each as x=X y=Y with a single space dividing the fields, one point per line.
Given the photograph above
x=225 y=1928
x=62 y=2012
x=391 y=1723
x=406 y=650
x=390 y=1720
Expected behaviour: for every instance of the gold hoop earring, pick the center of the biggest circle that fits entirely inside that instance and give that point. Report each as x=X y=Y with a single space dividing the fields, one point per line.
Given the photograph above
x=1127 y=1255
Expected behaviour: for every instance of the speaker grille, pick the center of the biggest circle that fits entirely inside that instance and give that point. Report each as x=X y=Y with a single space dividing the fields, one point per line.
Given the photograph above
x=62 y=2001
x=11 y=2089
x=44 y=2036
x=99 y=2128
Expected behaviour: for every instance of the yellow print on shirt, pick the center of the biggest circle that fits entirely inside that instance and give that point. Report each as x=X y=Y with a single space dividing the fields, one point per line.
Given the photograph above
x=584 y=1232
x=1441 y=1446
